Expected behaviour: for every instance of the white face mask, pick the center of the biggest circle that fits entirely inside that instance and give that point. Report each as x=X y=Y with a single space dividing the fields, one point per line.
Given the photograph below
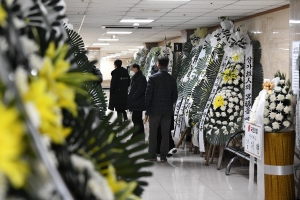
x=131 y=73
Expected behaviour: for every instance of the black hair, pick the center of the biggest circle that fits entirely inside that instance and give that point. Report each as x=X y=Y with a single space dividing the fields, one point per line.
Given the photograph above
x=136 y=66
x=118 y=63
x=163 y=61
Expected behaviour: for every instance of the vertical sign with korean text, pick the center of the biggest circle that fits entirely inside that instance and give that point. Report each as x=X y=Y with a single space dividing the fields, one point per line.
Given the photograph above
x=295 y=66
x=253 y=139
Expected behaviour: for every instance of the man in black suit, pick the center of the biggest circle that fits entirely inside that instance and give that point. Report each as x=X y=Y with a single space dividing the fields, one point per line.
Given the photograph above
x=119 y=84
x=161 y=94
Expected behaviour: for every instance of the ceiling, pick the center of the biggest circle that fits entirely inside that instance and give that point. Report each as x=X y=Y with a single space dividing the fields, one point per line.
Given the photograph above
x=170 y=17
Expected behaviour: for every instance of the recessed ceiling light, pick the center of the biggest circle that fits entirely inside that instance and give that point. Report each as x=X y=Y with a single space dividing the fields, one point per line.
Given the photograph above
x=133 y=49
x=150 y=10
x=100 y=39
x=100 y=44
x=118 y=33
x=137 y=20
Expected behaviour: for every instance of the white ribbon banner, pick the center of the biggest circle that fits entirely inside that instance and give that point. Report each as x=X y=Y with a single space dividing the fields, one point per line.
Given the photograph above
x=248 y=82
x=209 y=102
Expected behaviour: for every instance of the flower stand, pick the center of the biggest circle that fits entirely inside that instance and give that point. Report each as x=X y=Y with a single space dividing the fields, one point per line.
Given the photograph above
x=279 y=159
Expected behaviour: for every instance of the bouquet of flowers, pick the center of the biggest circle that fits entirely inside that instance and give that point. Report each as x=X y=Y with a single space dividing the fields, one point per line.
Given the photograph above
x=278 y=108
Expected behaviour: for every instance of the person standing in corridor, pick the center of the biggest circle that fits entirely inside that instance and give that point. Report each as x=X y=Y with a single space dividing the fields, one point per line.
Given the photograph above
x=136 y=99
x=161 y=94
x=119 y=84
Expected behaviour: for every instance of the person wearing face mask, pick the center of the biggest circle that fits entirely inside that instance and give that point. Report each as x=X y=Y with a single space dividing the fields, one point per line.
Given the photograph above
x=136 y=98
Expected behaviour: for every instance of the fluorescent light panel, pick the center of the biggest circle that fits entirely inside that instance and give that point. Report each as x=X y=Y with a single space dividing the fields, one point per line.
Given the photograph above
x=100 y=44
x=167 y=0
x=100 y=39
x=118 y=33
x=137 y=20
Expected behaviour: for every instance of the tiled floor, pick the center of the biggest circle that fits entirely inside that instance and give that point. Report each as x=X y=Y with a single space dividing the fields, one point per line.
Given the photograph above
x=185 y=177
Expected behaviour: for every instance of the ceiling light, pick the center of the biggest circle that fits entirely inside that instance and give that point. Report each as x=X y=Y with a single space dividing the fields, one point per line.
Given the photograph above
x=108 y=39
x=100 y=44
x=137 y=20
x=167 y=0
x=133 y=49
x=118 y=33
x=294 y=21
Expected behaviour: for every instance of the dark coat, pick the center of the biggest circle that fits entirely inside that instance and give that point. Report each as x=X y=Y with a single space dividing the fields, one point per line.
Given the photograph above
x=119 y=84
x=136 y=97
x=161 y=94
x=98 y=73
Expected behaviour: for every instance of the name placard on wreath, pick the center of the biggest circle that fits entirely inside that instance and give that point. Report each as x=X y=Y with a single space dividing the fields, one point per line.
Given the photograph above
x=253 y=139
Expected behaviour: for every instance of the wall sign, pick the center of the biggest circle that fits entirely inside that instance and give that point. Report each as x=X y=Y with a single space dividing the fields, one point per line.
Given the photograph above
x=253 y=139
x=295 y=66
x=177 y=47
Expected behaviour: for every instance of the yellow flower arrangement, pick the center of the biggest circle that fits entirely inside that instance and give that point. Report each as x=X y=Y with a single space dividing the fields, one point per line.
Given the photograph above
x=235 y=57
x=12 y=145
x=218 y=101
x=3 y=16
x=229 y=75
x=48 y=110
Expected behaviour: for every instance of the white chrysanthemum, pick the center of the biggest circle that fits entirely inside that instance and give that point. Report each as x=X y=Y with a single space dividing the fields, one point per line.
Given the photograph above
x=223 y=108
x=279 y=117
x=217 y=132
x=272 y=97
x=277 y=89
x=231 y=118
x=236 y=126
x=280 y=97
x=230 y=105
x=286 y=124
x=232 y=130
x=266 y=104
x=36 y=62
x=235 y=114
x=209 y=132
x=272 y=115
x=237 y=107
x=218 y=114
x=235 y=82
x=236 y=100
x=281 y=82
x=3 y=44
x=275 y=125
x=236 y=89
x=287 y=109
x=225 y=123
x=284 y=91
x=240 y=96
x=213 y=121
x=226 y=103
x=231 y=99
x=210 y=126
x=99 y=187
x=242 y=85
x=225 y=132
x=230 y=123
x=223 y=114
x=268 y=128
x=241 y=112
x=266 y=121
x=239 y=119
x=29 y=44
x=272 y=106
x=215 y=128
x=266 y=112
x=280 y=107
x=223 y=127
x=238 y=67
x=233 y=93
x=218 y=122
x=81 y=163
x=206 y=125
x=288 y=96
x=18 y=23
x=241 y=103
x=228 y=94
x=229 y=110
x=229 y=81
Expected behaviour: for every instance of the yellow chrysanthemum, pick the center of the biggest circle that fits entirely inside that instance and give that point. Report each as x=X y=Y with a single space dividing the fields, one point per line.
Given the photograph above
x=236 y=57
x=218 y=101
x=121 y=189
x=3 y=16
x=54 y=67
x=49 y=111
x=229 y=74
x=12 y=146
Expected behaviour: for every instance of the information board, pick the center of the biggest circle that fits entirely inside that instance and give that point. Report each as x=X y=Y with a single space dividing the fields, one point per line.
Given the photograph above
x=253 y=139
x=177 y=47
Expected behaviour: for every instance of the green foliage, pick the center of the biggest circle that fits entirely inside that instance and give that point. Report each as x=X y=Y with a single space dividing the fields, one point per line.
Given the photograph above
x=98 y=141
x=258 y=74
x=187 y=55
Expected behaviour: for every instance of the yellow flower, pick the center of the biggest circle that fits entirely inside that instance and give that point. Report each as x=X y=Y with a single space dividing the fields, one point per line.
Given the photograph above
x=12 y=145
x=229 y=74
x=50 y=113
x=121 y=189
x=218 y=101
x=3 y=16
x=54 y=67
x=235 y=57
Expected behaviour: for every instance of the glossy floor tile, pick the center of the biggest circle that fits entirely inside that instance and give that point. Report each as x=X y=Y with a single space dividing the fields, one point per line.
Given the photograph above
x=185 y=177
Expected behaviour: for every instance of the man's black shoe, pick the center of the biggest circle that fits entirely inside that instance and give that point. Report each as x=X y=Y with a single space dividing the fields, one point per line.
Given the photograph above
x=163 y=159
x=151 y=158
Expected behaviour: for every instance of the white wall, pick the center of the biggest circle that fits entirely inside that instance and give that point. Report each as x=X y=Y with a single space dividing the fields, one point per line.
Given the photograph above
x=108 y=65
